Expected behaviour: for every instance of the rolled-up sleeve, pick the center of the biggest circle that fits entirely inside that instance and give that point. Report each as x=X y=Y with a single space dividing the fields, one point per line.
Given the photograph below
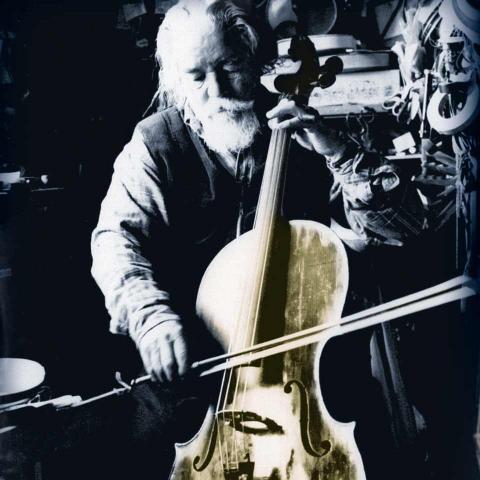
x=132 y=214
x=381 y=203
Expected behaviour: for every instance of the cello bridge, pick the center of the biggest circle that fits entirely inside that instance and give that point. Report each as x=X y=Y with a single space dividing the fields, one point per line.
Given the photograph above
x=249 y=422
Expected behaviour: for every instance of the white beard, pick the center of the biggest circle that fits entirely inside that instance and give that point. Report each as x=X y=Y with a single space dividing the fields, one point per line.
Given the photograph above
x=229 y=126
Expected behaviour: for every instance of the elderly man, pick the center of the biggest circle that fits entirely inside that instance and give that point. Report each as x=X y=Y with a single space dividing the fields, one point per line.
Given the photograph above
x=188 y=180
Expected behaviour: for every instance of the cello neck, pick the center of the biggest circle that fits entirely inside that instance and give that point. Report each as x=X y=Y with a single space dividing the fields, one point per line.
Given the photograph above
x=266 y=220
x=271 y=193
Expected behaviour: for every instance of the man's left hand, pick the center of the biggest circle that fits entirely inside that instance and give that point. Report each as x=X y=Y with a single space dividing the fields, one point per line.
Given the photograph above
x=308 y=129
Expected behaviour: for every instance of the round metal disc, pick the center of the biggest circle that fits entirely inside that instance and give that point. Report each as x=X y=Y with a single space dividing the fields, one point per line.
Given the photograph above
x=18 y=375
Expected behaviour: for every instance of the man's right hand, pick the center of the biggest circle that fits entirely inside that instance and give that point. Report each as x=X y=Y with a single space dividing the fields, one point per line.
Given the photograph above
x=164 y=351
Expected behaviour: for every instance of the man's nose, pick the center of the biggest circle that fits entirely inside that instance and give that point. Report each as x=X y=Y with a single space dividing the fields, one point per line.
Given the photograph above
x=215 y=86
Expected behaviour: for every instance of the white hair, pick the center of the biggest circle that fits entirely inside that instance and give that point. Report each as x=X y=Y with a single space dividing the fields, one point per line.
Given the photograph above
x=229 y=18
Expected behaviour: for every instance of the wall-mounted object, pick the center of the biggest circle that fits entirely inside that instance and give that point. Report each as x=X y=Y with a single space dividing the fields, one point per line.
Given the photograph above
x=464 y=15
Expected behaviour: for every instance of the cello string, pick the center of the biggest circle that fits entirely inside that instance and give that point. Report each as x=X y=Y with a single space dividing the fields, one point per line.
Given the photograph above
x=269 y=199
x=244 y=313
x=240 y=316
x=278 y=139
x=229 y=386
x=243 y=342
x=257 y=286
x=278 y=153
x=219 y=429
x=239 y=322
x=410 y=298
x=225 y=389
x=219 y=432
x=221 y=426
x=233 y=433
x=223 y=396
x=222 y=411
x=273 y=171
x=222 y=402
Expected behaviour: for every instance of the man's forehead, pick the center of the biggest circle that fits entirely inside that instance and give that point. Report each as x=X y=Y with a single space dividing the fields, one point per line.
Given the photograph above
x=201 y=47
x=197 y=45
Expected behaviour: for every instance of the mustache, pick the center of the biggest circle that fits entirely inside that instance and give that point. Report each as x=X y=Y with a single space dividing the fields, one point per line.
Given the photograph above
x=228 y=105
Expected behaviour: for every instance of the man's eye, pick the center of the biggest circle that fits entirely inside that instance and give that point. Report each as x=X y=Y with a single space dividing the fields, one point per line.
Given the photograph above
x=196 y=76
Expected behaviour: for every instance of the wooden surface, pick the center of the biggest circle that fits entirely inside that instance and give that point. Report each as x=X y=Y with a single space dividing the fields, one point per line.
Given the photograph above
x=311 y=268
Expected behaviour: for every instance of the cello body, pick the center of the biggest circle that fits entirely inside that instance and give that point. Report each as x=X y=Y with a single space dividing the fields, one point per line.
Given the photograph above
x=271 y=422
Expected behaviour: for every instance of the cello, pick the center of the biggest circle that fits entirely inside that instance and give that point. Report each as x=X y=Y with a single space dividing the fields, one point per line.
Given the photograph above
x=278 y=279
x=272 y=298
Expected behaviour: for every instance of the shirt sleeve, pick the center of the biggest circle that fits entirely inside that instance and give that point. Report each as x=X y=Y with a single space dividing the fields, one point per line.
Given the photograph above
x=132 y=214
x=380 y=201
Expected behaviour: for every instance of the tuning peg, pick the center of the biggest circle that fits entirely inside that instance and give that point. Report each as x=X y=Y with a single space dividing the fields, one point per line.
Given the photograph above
x=326 y=80
x=332 y=65
x=285 y=83
x=328 y=71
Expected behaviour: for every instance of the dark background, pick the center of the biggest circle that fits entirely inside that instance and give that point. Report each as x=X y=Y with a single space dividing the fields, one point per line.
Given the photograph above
x=79 y=81
x=80 y=84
